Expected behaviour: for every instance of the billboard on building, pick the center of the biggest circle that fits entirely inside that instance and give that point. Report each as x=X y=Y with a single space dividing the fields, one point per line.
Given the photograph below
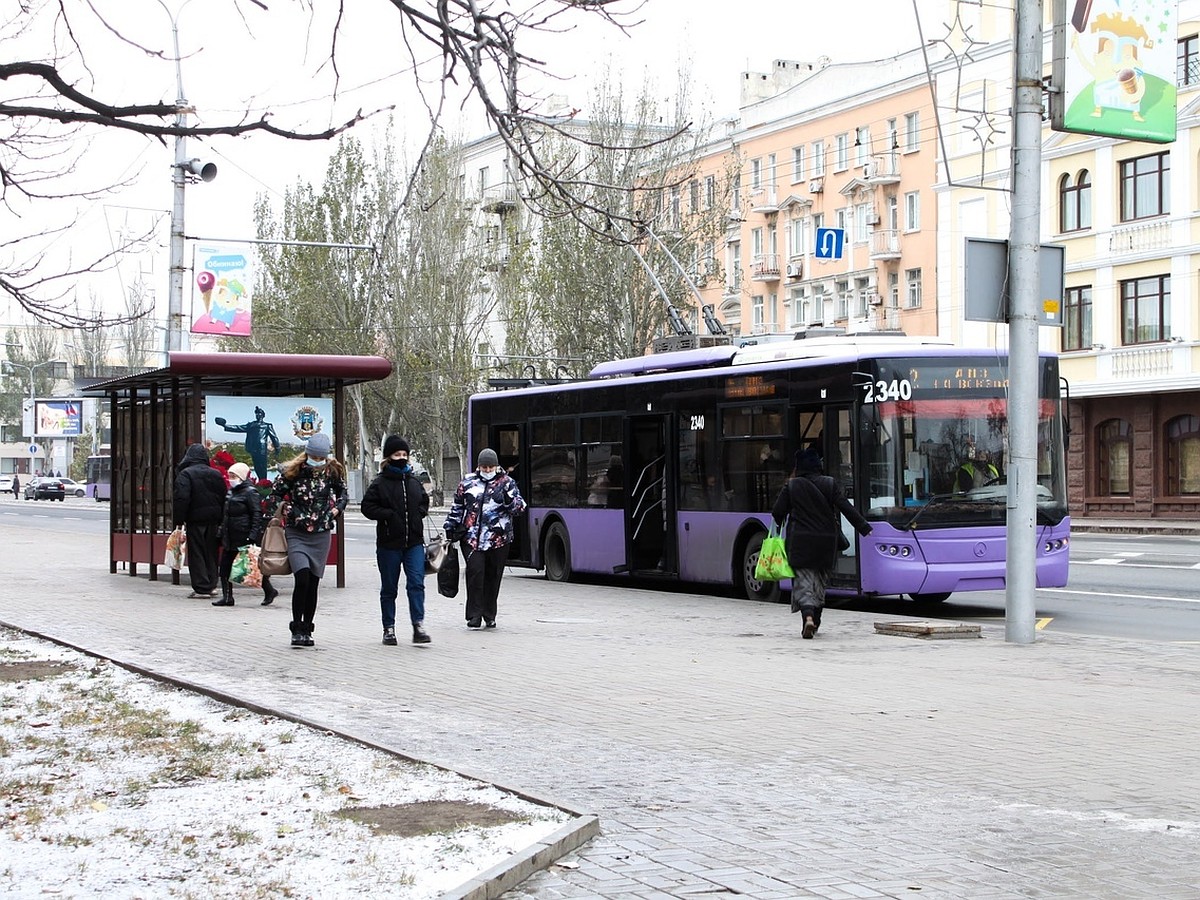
x=221 y=290
x=1114 y=68
x=57 y=418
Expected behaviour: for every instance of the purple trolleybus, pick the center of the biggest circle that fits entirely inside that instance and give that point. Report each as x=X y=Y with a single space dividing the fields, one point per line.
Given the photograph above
x=667 y=466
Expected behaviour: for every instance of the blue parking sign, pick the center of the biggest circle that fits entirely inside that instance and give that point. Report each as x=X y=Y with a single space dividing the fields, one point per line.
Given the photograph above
x=831 y=242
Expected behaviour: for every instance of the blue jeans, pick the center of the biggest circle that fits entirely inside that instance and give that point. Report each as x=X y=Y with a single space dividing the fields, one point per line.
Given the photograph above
x=390 y=562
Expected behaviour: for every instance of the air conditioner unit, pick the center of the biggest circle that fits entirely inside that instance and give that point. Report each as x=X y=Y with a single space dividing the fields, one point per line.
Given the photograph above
x=875 y=299
x=868 y=169
x=872 y=218
x=816 y=185
x=793 y=270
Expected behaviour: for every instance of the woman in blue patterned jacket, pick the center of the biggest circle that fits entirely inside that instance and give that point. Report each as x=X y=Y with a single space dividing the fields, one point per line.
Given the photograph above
x=482 y=519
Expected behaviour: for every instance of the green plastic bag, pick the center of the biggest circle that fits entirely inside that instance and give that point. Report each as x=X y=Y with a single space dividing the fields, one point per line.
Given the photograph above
x=245 y=567
x=772 y=562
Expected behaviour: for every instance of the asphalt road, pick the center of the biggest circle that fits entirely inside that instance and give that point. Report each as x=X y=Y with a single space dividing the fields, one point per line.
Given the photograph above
x=1121 y=585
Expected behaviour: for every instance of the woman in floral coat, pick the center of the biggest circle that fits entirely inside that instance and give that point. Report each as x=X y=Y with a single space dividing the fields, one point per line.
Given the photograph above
x=311 y=489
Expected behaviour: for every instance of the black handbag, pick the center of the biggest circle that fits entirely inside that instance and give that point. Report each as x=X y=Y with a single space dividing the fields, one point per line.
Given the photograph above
x=447 y=575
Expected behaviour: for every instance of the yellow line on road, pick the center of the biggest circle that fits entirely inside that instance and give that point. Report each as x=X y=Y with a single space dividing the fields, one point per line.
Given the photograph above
x=1042 y=623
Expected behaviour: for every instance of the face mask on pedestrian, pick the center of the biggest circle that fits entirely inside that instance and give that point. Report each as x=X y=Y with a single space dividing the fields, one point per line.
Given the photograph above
x=400 y=462
x=317 y=463
x=234 y=482
x=489 y=473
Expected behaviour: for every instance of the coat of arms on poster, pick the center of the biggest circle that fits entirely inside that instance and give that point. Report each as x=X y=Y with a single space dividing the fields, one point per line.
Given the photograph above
x=222 y=303
x=1114 y=68
x=265 y=431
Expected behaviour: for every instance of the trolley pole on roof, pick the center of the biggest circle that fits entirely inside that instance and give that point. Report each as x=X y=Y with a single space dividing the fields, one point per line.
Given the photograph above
x=1023 y=319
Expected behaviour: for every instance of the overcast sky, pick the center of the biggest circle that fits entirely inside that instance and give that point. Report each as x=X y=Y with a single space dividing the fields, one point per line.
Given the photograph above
x=269 y=60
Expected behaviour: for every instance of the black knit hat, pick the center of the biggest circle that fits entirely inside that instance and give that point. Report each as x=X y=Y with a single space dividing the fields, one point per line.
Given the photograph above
x=807 y=461
x=393 y=443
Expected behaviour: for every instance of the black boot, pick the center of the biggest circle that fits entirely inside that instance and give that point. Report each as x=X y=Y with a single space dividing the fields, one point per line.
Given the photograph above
x=270 y=592
x=226 y=598
x=420 y=636
x=297 y=633
x=308 y=638
x=810 y=623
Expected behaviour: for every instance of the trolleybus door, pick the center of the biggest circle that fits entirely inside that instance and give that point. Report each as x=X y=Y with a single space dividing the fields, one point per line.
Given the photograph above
x=513 y=451
x=826 y=429
x=649 y=497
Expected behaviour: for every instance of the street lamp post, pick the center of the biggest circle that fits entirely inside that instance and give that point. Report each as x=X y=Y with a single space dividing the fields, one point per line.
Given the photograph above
x=32 y=390
x=180 y=170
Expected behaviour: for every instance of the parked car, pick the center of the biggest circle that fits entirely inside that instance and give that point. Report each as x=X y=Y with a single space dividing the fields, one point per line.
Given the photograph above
x=45 y=489
x=73 y=487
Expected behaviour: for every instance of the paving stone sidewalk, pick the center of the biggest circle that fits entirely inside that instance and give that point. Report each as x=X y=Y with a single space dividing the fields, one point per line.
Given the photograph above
x=724 y=754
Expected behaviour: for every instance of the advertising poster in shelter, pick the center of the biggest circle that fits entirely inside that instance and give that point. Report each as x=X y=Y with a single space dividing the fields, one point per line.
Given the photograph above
x=224 y=278
x=265 y=431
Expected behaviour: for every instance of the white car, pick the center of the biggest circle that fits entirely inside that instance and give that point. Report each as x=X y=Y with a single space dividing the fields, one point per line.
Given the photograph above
x=73 y=488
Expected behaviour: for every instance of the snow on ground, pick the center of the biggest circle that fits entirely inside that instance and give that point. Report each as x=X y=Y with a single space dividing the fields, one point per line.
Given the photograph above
x=115 y=785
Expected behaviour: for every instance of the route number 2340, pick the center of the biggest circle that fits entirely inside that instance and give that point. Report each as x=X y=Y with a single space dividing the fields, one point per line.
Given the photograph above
x=882 y=391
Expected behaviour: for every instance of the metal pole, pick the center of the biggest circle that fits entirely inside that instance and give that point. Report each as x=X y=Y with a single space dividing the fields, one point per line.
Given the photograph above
x=178 y=181
x=1023 y=282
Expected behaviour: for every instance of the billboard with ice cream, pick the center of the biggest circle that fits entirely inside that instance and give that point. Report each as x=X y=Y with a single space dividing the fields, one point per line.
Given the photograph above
x=221 y=294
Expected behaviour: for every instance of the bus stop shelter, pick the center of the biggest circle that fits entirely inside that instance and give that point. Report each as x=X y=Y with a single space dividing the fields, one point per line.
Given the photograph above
x=157 y=414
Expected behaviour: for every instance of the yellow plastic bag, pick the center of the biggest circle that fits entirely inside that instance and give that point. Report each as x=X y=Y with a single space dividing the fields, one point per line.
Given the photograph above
x=772 y=562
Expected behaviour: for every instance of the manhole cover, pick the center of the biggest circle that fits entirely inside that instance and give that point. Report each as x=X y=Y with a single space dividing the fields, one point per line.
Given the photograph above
x=930 y=631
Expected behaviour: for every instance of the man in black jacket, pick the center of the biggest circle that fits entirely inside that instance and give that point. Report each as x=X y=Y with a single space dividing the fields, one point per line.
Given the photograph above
x=810 y=503
x=397 y=502
x=200 y=505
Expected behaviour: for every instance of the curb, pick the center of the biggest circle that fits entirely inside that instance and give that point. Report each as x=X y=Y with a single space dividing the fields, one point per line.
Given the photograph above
x=508 y=874
x=493 y=882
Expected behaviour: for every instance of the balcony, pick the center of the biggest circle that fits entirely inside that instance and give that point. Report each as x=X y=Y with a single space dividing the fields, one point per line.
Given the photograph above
x=883 y=168
x=764 y=201
x=885 y=244
x=499 y=198
x=1137 y=369
x=765 y=267
x=1142 y=237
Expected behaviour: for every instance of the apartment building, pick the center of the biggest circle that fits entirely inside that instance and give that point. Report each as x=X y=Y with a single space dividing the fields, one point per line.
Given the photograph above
x=828 y=146
x=1128 y=215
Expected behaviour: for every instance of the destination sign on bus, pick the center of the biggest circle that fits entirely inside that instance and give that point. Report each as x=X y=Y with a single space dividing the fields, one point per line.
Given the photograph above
x=943 y=379
x=748 y=386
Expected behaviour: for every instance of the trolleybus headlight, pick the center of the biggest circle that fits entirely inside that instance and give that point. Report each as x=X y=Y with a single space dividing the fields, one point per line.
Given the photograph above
x=893 y=550
x=906 y=551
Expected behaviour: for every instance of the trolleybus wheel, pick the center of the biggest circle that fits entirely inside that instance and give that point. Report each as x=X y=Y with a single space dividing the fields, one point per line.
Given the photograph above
x=557 y=553
x=931 y=598
x=751 y=587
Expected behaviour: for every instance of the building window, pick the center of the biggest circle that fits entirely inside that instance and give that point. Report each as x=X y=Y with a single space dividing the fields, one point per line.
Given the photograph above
x=735 y=194
x=756 y=314
x=710 y=191
x=1146 y=310
x=842 y=290
x=797 y=164
x=1145 y=187
x=1114 y=458
x=862 y=216
x=912 y=279
x=841 y=152
x=1075 y=202
x=840 y=217
x=756 y=174
x=912 y=211
x=1077 y=323
x=912 y=132
x=484 y=180
x=818 y=158
x=1183 y=456
x=693 y=197
x=862 y=145
x=893 y=295
x=733 y=275
x=1187 y=63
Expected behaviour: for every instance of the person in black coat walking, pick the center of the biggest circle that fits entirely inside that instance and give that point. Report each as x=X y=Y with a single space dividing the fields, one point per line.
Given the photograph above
x=243 y=510
x=200 y=505
x=397 y=502
x=810 y=503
